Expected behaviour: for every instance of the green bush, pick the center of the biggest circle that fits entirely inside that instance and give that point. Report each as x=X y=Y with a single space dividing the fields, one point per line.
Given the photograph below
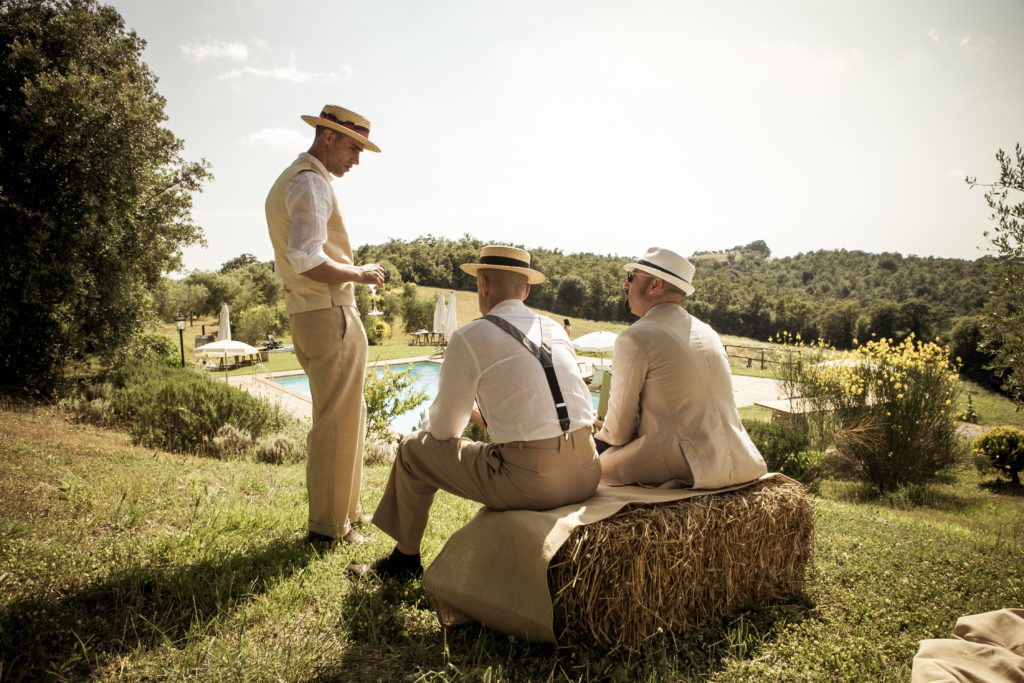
x=378 y=332
x=230 y=442
x=1004 y=448
x=777 y=443
x=388 y=394
x=418 y=313
x=151 y=347
x=181 y=409
x=278 y=449
x=785 y=450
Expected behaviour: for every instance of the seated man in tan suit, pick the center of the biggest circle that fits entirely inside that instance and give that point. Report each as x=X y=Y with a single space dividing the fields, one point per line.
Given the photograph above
x=672 y=418
x=514 y=372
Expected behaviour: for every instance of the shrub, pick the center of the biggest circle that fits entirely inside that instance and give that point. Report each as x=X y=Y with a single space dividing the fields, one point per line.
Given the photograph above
x=182 y=409
x=785 y=450
x=278 y=449
x=418 y=313
x=230 y=442
x=151 y=347
x=388 y=394
x=889 y=408
x=378 y=331
x=377 y=453
x=1004 y=449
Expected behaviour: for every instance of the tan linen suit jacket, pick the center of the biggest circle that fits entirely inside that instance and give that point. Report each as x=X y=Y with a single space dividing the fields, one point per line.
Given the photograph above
x=671 y=399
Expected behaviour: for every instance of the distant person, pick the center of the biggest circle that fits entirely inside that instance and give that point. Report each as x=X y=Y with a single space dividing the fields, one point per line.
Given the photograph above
x=543 y=456
x=672 y=417
x=568 y=328
x=313 y=258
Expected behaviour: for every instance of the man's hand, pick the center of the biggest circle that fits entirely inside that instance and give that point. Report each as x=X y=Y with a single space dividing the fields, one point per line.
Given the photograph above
x=598 y=423
x=370 y=274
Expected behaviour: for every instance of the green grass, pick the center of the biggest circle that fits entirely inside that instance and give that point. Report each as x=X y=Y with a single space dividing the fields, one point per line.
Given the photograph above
x=120 y=562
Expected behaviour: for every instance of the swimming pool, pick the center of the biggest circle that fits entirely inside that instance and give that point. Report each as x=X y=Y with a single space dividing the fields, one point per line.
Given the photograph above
x=426 y=375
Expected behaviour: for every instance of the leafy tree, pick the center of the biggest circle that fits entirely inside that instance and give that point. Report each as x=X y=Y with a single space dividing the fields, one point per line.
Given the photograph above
x=238 y=262
x=1005 y=310
x=572 y=295
x=95 y=197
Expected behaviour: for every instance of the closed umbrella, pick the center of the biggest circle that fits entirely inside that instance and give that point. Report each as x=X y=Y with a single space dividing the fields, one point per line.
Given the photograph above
x=224 y=327
x=451 y=322
x=440 y=314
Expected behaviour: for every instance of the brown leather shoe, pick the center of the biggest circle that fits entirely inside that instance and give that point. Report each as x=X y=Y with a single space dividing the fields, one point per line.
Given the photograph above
x=387 y=567
x=353 y=536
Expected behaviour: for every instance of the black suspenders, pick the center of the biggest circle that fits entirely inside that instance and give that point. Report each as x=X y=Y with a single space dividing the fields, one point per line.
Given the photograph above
x=543 y=354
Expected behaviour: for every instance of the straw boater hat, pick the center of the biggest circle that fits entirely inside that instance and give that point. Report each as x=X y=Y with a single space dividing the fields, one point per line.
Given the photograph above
x=668 y=265
x=494 y=257
x=344 y=121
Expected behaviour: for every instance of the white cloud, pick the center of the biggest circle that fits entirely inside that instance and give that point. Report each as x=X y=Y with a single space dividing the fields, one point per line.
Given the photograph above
x=284 y=73
x=279 y=138
x=933 y=34
x=218 y=49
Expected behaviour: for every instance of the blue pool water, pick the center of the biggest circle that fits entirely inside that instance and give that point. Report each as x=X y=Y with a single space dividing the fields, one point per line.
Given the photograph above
x=425 y=375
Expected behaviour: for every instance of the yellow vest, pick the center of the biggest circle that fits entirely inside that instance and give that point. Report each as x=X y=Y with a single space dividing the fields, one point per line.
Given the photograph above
x=300 y=292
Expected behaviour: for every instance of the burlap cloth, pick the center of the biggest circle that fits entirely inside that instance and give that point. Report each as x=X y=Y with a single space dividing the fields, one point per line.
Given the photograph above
x=984 y=647
x=494 y=570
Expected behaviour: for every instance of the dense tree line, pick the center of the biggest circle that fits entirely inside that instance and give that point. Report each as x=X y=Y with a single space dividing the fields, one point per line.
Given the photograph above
x=837 y=295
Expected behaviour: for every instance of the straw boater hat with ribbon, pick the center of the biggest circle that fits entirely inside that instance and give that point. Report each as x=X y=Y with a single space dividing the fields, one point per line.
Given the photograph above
x=344 y=121
x=496 y=257
x=668 y=265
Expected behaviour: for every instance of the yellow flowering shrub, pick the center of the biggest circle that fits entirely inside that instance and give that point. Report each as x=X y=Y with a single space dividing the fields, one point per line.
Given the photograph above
x=888 y=408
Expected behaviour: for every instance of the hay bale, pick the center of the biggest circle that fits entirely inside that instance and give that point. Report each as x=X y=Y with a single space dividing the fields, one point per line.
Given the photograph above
x=675 y=566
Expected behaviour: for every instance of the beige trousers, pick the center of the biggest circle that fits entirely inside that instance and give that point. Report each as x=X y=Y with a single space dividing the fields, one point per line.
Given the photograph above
x=330 y=344
x=522 y=475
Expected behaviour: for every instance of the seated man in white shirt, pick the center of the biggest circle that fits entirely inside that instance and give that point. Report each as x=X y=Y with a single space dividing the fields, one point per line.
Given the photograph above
x=543 y=456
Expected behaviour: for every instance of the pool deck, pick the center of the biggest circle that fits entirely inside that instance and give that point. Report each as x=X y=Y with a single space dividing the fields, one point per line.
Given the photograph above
x=747 y=390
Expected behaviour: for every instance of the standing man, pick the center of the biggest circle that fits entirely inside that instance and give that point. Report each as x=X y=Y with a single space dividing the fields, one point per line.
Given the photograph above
x=313 y=258
x=671 y=412
x=514 y=372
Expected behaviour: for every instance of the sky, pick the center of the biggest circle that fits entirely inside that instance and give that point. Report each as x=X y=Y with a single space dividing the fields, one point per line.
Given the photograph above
x=604 y=126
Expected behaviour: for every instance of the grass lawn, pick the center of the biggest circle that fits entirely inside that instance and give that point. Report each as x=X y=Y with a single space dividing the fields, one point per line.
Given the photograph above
x=120 y=562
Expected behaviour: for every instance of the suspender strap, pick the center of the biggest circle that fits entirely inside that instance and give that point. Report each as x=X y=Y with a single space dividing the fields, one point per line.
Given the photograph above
x=543 y=354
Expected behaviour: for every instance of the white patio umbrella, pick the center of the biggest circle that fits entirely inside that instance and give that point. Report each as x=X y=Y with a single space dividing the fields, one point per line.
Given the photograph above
x=224 y=326
x=224 y=349
x=601 y=342
x=440 y=314
x=450 y=321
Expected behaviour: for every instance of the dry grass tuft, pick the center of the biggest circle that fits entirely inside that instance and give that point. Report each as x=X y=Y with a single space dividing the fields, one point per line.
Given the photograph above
x=678 y=565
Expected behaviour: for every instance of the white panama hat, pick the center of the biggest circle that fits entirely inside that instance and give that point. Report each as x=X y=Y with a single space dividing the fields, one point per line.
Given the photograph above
x=666 y=264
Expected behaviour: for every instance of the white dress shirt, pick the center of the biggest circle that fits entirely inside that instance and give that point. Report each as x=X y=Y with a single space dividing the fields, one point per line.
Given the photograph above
x=486 y=363
x=308 y=201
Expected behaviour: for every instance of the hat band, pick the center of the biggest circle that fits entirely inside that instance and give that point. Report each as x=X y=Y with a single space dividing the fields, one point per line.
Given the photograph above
x=362 y=130
x=503 y=261
x=664 y=270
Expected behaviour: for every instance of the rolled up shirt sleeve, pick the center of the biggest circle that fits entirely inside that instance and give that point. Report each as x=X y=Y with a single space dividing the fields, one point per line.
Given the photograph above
x=308 y=202
x=460 y=373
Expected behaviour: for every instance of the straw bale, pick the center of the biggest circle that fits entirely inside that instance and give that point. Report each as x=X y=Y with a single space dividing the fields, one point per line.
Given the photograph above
x=674 y=566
